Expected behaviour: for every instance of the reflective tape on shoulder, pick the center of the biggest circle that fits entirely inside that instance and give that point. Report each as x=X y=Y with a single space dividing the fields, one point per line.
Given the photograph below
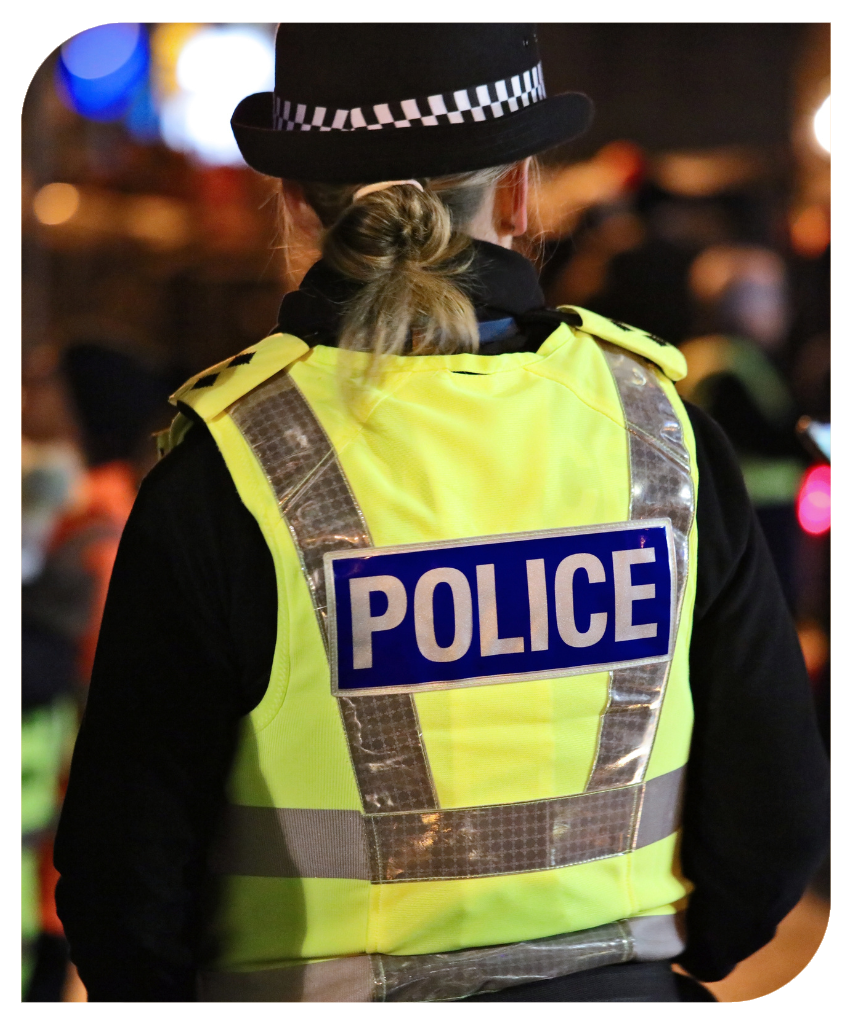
x=322 y=515
x=466 y=842
x=660 y=485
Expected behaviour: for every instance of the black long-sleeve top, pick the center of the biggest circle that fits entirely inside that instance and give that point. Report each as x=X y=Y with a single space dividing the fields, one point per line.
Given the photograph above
x=186 y=649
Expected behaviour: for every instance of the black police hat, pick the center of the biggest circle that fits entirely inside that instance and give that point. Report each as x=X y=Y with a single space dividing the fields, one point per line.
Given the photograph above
x=370 y=101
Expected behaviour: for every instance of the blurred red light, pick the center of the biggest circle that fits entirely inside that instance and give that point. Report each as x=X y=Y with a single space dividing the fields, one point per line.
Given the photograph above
x=814 y=501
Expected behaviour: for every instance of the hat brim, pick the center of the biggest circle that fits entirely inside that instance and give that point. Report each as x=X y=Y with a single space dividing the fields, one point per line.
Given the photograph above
x=423 y=152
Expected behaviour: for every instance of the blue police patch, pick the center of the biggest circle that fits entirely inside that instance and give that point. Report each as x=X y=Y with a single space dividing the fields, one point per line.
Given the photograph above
x=501 y=609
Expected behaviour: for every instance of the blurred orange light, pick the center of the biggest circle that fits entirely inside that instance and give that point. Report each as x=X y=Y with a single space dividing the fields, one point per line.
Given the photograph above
x=56 y=203
x=815 y=647
x=810 y=231
x=167 y=41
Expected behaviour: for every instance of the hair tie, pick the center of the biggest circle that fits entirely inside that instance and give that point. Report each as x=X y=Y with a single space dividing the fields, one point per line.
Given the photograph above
x=380 y=185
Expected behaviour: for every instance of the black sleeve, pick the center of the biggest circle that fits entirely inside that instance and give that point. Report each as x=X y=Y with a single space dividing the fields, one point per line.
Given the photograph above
x=185 y=648
x=756 y=811
x=732 y=407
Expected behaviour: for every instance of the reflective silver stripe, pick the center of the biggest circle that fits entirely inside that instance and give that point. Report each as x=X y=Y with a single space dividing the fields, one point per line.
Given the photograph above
x=537 y=835
x=302 y=468
x=462 y=842
x=388 y=753
x=660 y=487
x=323 y=515
x=449 y=976
x=291 y=842
x=661 y=809
x=431 y=977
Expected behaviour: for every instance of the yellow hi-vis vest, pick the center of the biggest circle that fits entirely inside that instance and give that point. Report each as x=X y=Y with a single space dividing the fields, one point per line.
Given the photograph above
x=441 y=841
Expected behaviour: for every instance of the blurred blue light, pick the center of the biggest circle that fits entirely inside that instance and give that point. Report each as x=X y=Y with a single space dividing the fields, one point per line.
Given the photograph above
x=99 y=70
x=100 y=51
x=142 y=119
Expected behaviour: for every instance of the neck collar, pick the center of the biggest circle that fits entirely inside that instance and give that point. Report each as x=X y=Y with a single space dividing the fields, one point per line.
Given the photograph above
x=503 y=286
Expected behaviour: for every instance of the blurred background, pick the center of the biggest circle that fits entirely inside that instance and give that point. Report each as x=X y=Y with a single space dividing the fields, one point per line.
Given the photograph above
x=697 y=207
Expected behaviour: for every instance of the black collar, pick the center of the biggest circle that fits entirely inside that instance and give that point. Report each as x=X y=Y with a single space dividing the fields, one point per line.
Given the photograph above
x=502 y=284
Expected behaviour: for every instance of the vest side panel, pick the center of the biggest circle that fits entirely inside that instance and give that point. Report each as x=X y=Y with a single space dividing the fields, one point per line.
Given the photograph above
x=264 y=922
x=267 y=921
x=293 y=751
x=656 y=877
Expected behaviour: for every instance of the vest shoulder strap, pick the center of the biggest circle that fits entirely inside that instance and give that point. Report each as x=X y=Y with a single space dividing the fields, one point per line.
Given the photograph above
x=210 y=392
x=662 y=353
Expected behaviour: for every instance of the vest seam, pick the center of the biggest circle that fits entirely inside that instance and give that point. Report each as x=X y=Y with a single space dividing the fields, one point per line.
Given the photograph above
x=358 y=431
x=568 y=387
x=408 y=371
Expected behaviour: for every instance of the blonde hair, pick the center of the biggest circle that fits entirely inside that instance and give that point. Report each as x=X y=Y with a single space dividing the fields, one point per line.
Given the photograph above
x=410 y=251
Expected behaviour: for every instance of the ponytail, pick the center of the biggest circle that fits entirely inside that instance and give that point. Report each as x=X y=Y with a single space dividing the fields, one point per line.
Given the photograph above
x=409 y=251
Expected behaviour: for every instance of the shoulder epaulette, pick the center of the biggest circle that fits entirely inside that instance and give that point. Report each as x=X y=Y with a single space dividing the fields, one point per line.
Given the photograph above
x=668 y=358
x=214 y=389
x=167 y=440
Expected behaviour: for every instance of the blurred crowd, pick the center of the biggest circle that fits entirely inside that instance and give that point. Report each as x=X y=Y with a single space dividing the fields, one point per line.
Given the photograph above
x=723 y=253
x=88 y=411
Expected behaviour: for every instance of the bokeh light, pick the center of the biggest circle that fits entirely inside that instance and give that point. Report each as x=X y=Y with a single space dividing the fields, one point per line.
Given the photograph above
x=101 y=69
x=809 y=230
x=235 y=59
x=814 y=501
x=56 y=203
x=217 y=67
x=100 y=51
x=821 y=125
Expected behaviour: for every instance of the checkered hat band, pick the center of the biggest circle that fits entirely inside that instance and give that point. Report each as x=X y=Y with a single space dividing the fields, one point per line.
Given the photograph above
x=475 y=103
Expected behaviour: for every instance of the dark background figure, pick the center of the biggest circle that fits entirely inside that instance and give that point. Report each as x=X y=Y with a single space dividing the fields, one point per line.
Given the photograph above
x=77 y=497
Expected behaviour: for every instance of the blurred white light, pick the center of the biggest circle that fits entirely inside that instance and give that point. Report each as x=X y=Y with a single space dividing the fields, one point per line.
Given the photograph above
x=200 y=125
x=821 y=125
x=236 y=60
x=217 y=67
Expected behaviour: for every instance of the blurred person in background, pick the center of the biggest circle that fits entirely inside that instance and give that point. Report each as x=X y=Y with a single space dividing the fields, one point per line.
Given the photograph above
x=52 y=472
x=741 y=292
x=88 y=411
x=236 y=829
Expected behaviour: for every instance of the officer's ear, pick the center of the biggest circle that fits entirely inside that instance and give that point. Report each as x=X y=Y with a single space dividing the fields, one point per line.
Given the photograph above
x=511 y=203
x=299 y=212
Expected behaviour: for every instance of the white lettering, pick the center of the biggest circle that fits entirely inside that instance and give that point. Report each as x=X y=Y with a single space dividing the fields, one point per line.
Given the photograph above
x=626 y=593
x=489 y=638
x=564 y=600
x=462 y=601
x=539 y=624
x=364 y=623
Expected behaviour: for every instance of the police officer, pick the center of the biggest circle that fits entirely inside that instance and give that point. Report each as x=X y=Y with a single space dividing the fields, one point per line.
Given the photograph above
x=443 y=658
